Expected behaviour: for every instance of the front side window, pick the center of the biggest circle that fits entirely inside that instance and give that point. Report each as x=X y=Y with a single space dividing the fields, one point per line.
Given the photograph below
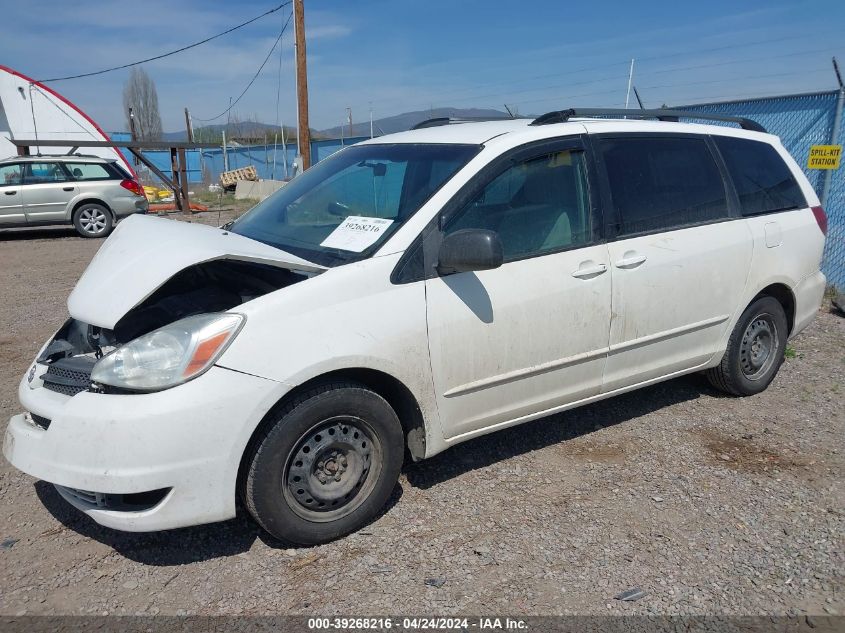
x=346 y=206
x=537 y=206
x=762 y=180
x=88 y=171
x=663 y=183
x=10 y=175
x=39 y=173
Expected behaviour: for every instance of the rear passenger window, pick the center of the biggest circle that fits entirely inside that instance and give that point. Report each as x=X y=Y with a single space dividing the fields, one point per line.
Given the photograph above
x=88 y=171
x=663 y=183
x=763 y=181
x=40 y=173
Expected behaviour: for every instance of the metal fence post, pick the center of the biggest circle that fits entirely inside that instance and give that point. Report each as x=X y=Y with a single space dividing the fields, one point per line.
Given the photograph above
x=834 y=137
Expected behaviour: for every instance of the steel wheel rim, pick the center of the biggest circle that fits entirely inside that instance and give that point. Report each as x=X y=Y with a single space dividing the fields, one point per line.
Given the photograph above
x=93 y=220
x=760 y=342
x=332 y=469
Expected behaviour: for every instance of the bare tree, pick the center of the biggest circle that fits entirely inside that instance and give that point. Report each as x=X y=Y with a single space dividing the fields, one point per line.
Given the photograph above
x=139 y=94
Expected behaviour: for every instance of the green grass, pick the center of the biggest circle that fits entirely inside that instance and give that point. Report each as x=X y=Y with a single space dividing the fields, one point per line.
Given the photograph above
x=790 y=352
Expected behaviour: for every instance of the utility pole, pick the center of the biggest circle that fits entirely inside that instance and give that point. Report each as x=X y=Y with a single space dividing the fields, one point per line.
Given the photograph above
x=188 y=126
x=302 y=84
x=132 y=133
x=284 y=151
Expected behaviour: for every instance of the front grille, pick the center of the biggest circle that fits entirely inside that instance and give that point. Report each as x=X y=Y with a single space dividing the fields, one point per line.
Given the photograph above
x=69 y=376
x=41 y=421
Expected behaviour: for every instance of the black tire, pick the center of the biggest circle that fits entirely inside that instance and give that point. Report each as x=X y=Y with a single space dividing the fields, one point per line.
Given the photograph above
x=323 y=465
x=755 y=350
x=93 y=220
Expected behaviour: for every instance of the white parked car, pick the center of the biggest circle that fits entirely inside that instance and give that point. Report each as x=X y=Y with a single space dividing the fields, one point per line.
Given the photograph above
x=407 y=294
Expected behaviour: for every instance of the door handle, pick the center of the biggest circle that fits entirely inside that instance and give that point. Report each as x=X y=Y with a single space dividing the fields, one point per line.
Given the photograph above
x=67 y=188
x=590 y=271
x=10 y=193
x=630 y=261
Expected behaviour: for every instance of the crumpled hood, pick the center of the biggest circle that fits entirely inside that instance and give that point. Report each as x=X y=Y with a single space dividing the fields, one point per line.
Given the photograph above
x=144 y=252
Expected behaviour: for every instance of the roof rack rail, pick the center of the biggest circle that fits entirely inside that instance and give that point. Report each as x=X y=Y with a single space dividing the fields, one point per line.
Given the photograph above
x=665 y=114
x=64 y=155
x=446 y=120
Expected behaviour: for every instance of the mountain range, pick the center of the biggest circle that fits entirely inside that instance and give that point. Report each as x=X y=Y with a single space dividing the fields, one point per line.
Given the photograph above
x=388 y=125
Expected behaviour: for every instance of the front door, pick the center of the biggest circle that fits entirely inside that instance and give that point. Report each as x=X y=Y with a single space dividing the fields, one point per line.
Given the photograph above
x=11 y=199
x=679 y=260
x=511 y=343
x=47 y=192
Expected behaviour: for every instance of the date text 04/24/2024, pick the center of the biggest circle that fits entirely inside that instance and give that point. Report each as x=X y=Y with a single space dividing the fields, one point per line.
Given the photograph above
x=417 y=624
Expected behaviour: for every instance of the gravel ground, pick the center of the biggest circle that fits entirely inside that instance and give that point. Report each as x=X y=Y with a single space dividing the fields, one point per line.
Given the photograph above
x=709 y=504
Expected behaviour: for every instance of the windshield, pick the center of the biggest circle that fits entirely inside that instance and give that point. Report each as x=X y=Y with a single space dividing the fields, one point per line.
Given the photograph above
x=346 y=206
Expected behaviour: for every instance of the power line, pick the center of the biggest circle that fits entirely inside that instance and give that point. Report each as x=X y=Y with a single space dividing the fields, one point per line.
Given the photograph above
x=613 y=78
x=740 y=61
x=254 y=77
x=279 y=80
x=168 y=54
x=730 y=79
x=506 y=92
x=612 y=64
x=615 y=90
x=660 y=57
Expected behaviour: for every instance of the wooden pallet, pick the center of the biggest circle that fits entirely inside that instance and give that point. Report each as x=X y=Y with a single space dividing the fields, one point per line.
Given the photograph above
x=229 y=178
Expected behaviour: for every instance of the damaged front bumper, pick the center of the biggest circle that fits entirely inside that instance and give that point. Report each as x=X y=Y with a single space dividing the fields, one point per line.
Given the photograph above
x=142 y=462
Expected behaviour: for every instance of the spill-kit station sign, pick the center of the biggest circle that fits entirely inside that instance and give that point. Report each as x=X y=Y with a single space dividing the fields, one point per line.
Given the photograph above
x=824 y=157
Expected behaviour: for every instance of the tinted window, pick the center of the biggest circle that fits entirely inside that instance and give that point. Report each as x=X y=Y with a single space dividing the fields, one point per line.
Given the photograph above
x=36 y=173
x=663 y=183
x=763 y=181
x=536 y=207
x=10 y=175
x=88 y=171
x=347 y=205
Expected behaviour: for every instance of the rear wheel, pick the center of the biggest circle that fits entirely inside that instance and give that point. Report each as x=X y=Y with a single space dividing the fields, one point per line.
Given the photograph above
x=324 y=465
x=92 y=220
x=755 y=350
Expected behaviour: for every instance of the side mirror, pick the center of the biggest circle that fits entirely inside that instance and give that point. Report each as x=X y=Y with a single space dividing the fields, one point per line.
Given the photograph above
x=469 y=249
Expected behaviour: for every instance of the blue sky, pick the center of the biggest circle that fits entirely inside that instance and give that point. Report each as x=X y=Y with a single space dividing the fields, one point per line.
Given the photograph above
x=398 y=56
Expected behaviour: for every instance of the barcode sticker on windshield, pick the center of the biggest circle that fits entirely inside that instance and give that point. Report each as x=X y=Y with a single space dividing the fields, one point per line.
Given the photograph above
x=356 y=233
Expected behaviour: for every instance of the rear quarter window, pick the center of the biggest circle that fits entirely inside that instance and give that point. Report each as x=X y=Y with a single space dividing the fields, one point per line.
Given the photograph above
x=763 y=181
x=89 y=171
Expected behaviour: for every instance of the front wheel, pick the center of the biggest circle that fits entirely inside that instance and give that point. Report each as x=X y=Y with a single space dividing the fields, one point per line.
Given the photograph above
x=92 y=220
x=755 y=350
x=324 y=465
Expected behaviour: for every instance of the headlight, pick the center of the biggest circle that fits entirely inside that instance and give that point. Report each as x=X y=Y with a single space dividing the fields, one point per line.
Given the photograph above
x=170 y=355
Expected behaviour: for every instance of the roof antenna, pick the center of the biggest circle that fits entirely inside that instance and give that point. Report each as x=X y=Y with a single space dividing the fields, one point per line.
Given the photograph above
x=511 y=113
x=640 y=101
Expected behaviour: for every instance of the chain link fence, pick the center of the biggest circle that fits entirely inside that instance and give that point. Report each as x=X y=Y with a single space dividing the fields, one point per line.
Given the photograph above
x=802 y=121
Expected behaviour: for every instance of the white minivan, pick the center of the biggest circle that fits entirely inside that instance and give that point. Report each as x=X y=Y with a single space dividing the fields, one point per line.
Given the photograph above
x=409 y=293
